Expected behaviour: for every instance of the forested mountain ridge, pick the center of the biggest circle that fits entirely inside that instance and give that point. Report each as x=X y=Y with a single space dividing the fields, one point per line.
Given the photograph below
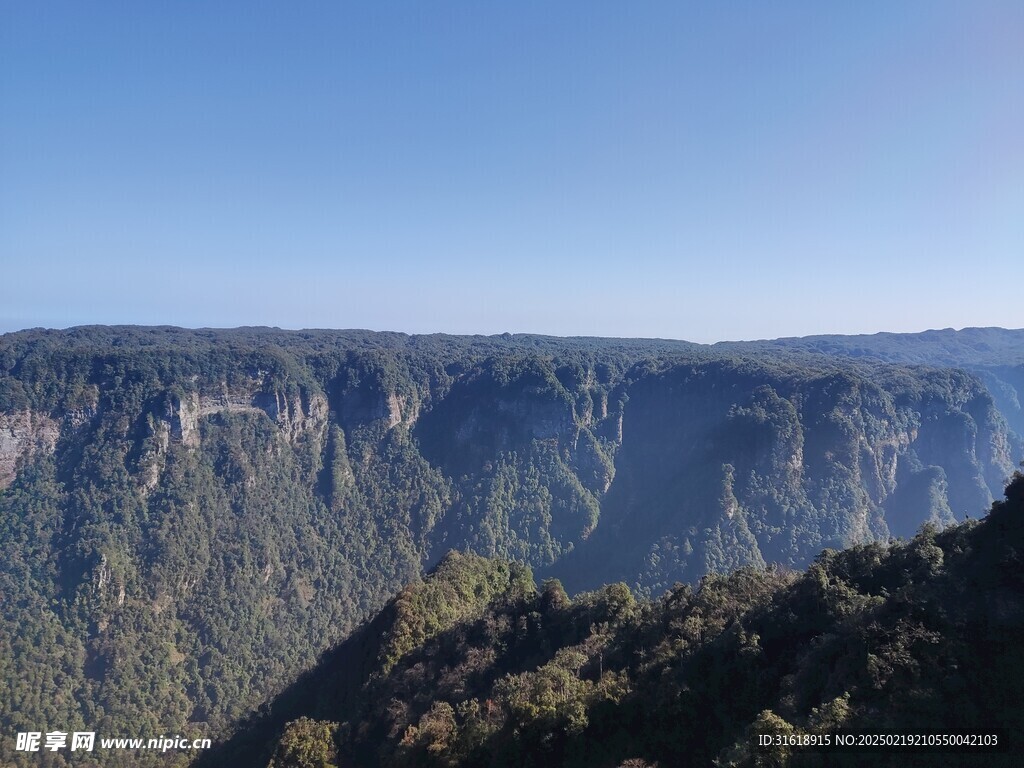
x=946 y=347
x=190 y=517
x=993 y=354
x=920 y=637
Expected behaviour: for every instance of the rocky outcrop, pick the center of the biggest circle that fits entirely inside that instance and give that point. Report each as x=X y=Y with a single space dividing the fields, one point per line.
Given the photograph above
x=183 y=419
x=301 y=420
x=372 y=403
x=482 y=418
x=298 y=417
x=24 y=434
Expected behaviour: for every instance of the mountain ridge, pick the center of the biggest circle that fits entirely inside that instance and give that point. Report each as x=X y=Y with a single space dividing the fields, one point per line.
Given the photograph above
x=194 y=516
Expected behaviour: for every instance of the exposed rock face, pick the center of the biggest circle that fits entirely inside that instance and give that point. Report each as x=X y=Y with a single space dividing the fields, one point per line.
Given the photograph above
x=297 y=417
x=301 y=420
x=372 y=402
x=483 y=417
x=184 y=419
x=1006 y=383
x=720 y=468
x=24 y=434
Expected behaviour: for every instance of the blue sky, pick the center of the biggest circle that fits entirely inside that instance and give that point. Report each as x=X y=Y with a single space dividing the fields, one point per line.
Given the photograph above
x=706 y=171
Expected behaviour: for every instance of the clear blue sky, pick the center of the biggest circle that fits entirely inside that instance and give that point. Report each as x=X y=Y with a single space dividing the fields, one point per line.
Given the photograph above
x=707 y=171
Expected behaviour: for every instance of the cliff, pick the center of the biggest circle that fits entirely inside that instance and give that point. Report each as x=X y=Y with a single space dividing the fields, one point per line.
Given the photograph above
x=194 y=515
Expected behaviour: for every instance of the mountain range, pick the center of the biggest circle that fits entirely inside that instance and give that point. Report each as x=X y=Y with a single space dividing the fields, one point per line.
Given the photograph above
x=191 y=518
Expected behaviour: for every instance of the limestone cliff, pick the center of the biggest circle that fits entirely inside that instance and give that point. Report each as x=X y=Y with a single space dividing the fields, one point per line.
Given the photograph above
x=24 y=434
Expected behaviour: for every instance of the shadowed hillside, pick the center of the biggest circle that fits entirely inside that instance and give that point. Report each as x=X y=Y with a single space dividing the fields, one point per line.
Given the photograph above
x=921 y=637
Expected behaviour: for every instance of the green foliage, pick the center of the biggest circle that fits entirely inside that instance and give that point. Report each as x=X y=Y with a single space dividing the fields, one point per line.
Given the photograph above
x=196 y=516
x=873 y=639
x=306 y=743
x=462 y=586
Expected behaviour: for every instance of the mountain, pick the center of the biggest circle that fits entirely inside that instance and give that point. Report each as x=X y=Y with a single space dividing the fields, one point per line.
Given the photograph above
x=947 y=348
x=189 y=518
x=921 y=637
x=993 y=354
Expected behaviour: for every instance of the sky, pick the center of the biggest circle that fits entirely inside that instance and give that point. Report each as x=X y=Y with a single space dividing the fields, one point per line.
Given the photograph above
x=693 y=170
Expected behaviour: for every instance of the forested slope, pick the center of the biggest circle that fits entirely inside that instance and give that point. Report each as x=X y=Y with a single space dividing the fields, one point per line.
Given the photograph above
x=993 y=354
x=921 y=637
x=190 y=517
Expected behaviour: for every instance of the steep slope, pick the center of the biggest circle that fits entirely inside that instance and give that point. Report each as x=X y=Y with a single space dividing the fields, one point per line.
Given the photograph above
x=917 y=638
x=724 y=464
x=459 y=589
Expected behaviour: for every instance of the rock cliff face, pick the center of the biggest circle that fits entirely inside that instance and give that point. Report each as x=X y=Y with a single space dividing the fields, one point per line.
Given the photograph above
x=298 y=417
x=24 y=434
x=721 y=466
x=29 y=433
x=301 y=419
x=1006 y=385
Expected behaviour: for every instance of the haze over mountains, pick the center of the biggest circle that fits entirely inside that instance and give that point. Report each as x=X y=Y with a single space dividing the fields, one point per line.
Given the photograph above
x=189 y=518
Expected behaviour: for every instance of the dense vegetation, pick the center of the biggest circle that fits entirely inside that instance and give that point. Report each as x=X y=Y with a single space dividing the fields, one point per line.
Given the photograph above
x=965 y=348
x=188 y=518
x=919 y=637
x=992 y=354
